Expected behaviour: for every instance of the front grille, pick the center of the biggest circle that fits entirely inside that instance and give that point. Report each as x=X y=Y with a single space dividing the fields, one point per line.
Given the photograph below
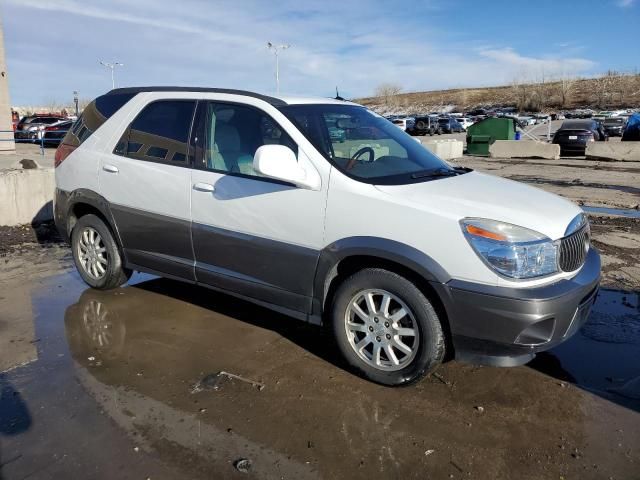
x=573 y=250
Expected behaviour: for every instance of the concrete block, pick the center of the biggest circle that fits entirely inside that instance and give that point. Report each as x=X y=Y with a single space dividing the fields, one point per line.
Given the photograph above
x=26 y=196
x=445 y=149
x=523 y=149
x=620 y=151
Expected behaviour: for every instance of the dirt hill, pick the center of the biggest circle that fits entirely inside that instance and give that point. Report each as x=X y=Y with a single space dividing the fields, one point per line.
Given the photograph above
x=609 y=91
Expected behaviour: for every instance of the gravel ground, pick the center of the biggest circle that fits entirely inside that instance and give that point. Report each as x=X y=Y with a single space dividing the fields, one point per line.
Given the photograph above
x=26 y=237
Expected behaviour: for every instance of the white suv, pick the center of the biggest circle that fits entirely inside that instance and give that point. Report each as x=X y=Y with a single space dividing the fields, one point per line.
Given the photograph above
x=329 y=213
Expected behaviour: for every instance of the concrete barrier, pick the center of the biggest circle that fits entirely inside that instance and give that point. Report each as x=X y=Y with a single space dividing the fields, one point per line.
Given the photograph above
x=26 y=196
x=621 y=151
x=445 y=149
x=523 y=149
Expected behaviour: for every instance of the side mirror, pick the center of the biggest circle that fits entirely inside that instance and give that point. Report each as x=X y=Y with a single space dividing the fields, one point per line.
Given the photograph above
x=279 y=162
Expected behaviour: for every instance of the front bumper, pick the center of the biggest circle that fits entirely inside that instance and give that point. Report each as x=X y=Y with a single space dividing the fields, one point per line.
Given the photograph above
x=505 y=326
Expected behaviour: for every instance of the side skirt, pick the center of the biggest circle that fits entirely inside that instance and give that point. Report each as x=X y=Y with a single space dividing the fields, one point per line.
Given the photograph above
x=313 y=319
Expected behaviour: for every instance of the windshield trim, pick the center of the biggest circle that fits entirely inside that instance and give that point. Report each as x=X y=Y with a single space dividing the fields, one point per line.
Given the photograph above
x=405 y=178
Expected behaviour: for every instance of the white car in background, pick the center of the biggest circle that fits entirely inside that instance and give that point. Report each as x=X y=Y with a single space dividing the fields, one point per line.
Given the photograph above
x=404 y=123
x=527 y=120
x=466 y=122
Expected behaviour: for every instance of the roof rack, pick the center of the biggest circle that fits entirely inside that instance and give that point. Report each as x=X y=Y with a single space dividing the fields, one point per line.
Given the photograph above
x=276 y=102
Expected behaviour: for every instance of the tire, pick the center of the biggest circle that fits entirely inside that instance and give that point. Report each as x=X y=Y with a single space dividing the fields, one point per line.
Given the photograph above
x=103 y=268
x=426 y=342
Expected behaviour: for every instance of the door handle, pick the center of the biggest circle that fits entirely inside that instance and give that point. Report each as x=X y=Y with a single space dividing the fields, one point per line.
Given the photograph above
x=110 y=168
x=203 y=187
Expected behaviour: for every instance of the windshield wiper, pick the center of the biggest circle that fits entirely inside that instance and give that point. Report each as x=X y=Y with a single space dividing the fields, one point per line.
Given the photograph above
x=435 y=173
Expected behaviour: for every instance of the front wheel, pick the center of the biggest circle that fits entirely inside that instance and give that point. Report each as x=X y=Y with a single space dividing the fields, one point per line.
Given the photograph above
x=96 y=254
x=386 y=328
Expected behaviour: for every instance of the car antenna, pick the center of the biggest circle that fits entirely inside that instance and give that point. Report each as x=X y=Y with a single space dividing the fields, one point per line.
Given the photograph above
x=338 y=97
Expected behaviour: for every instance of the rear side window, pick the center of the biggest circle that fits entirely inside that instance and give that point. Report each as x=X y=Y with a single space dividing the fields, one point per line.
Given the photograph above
x=160 y=133
x=94 y=115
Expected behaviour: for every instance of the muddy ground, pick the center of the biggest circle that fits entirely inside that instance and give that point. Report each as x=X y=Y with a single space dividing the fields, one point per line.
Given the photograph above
x=133 y=383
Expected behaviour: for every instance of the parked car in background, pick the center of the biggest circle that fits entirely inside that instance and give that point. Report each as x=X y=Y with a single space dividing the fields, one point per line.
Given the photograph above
x=15 y=119
x=526 y=120
x=614 y=126
x=466 y=122
x=404 y=123
x=29 y=126
x=631 y=131
x=541 y=119
x=426 y=125
x=602 y=133
x=604 y=114
x=574 y=135
x=450 y=125
x=54 y=133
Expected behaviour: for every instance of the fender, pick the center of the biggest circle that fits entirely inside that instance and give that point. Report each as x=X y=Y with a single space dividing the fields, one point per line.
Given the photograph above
x=66 y=201
x=383 y=248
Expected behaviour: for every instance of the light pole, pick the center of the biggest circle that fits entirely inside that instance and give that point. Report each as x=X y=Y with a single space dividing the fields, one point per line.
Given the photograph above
x=112 y=66
x=75 y=100
x=276 y=49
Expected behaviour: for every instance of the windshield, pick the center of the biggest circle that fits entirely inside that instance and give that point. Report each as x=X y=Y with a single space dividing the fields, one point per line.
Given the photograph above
x=369 y=147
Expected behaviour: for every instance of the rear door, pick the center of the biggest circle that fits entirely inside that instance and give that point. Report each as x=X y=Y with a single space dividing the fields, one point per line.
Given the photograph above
x=251 y=235
x=147 y=182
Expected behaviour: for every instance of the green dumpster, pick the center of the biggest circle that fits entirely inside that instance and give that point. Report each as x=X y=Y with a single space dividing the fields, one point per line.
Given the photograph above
x=482 y=134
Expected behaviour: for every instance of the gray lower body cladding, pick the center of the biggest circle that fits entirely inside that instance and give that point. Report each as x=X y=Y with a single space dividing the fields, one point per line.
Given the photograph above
x=508 y=326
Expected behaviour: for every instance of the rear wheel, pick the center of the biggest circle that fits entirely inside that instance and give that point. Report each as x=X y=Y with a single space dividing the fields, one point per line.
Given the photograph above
x=96 y=254
x=385 y=327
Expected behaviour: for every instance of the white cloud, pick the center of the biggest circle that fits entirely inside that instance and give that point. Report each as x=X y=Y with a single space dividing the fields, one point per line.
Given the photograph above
x=519 y=65
x=625 y=3
x=355 y=45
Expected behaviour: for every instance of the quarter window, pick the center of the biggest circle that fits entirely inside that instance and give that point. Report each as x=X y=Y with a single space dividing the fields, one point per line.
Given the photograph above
x=160 y=132
x=228 y=136
x=94 y=115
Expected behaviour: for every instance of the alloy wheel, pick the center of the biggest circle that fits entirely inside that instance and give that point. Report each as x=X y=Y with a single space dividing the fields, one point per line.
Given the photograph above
x=92 y=253
x=381 y=329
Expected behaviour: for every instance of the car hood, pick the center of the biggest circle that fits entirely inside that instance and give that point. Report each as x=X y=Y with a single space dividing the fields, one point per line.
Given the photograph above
x=480 y=195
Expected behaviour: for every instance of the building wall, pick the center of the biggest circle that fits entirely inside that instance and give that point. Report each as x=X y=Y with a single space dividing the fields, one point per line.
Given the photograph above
x=6 y=127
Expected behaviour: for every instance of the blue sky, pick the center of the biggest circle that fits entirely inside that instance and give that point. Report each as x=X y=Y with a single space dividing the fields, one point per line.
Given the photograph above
x=53 y=46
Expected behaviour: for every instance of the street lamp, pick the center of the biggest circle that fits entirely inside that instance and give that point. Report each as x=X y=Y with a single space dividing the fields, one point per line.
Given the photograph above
x=112 y=66
x=276 y=49
x=75 y=100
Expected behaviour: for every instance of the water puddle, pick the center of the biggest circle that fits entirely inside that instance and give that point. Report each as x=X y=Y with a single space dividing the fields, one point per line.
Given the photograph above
x=604 y=356
x=116 y=376
x=622 y=212
x=578 y=183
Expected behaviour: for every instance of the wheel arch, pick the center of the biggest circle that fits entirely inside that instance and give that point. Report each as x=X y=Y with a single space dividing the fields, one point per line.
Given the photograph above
x=83 y=202
x=345 y=257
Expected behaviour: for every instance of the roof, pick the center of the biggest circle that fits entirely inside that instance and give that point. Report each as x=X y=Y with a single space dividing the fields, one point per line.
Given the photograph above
x=275 y=100
x=576 y=124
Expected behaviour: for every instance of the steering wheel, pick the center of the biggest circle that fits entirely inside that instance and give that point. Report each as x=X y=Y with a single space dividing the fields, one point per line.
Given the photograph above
x=352 y=161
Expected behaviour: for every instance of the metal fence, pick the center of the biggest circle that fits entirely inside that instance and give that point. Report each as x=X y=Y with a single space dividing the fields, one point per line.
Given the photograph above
x=33 y=137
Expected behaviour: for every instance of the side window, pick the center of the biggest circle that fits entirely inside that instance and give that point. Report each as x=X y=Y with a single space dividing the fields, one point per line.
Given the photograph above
x=229 y=135
x=159 y=133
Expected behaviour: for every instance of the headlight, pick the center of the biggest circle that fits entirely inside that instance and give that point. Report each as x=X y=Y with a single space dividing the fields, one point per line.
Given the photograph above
x=510 y=250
